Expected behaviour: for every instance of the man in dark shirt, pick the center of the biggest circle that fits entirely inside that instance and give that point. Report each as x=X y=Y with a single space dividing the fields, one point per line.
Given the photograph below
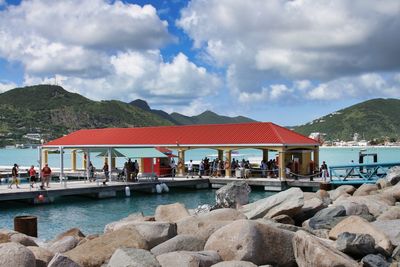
x=14 y=174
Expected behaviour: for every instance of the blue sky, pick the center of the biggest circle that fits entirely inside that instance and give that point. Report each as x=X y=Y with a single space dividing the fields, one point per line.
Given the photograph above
x=288 y=62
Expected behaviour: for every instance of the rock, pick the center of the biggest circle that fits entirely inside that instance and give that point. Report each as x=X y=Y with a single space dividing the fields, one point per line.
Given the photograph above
x=327 y=218
x=14 y=254
x=22 y=239
x=392 y=193
x=75 y=232
x=366 y=189
x=309 y=209
x=223 y=214
x=179 y=242
x=321 y=233
x=353 y=208
x=372 y=260
x=87 y=238
x=283 y=219
x=253 y=241
x=341 y=190
x=171 y=213
x=234 y=264
x=233 y=195
x=382 y=183
x=324 y=196
x=42 y=255
x=96 y=251
x=393 y=175
x=205 y=208
x=358 y=225
x=154 y=232
x=287 y=202
x=396 y=253
x=393 y=213
x=355 y=245
x=61 y=260
x=376 y=204
x=132 y=257
x=391 y=228
x=310 y=251
x=276 y=224
x=189 y=258
x=64 y=244
x=119 y=224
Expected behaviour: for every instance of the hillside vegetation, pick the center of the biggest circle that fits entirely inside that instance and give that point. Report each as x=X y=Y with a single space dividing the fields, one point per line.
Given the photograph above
x=376 y=118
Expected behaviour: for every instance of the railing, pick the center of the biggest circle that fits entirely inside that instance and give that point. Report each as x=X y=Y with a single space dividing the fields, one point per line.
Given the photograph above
x=362 y=172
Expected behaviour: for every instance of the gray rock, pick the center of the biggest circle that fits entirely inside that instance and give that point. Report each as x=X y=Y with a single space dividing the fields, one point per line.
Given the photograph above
x=393 y=175
x=327 y=218
x=324 y=196
x=376 y=204
x=42 y=255
x=179 y=242
x=234 y=264
x=60 y=260
x=393 y=213
x=391 y=228
x=284 y=219
x=233 y=195
x=205 y=208
x=309 y=209
x=124 y=221
x=14 y=254
x=64 y=244
x=189 y=258
x=132 y=257
x=341 y=190
x=311 y=251
x=396 y=253
x=23 y=239
x=373 y=260
x=355 y=245
x=287 y=202
x=171 y=212
x=366 y=189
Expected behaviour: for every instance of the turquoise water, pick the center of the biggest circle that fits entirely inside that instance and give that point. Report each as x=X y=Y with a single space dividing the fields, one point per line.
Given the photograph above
x=92 y=215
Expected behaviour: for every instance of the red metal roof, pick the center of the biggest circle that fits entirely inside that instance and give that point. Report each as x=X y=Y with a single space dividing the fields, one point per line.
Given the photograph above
x=257 y=133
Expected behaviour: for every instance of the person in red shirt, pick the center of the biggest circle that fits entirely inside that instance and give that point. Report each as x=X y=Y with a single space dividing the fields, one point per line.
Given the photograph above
x=46 y=175
x=32 y=176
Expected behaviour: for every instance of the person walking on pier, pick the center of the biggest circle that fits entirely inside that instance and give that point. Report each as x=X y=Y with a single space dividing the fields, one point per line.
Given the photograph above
x=46 y=175
x=190 y=169
x=32 y=176
x=14 y=174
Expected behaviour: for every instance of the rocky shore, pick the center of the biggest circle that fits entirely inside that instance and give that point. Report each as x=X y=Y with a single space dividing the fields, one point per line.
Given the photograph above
x=341 y=227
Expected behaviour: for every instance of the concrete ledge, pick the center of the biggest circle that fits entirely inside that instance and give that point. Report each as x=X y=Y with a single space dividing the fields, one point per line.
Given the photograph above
x=106 y=194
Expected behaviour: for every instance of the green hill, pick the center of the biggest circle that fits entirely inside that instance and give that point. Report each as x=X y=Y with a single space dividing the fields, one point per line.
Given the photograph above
x=376 y=118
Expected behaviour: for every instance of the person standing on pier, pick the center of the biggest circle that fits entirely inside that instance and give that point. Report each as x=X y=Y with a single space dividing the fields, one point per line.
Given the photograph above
x=14 y=174
x=324 y=171
x=46 y=175
x=190 y=169
x=32 y=176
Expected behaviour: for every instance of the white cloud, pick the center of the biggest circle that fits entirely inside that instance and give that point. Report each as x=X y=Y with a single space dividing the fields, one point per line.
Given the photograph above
x=261 y=42
x=5 y=86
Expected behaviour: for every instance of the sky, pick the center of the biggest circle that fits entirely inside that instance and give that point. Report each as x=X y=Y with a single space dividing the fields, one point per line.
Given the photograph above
x=288 y=62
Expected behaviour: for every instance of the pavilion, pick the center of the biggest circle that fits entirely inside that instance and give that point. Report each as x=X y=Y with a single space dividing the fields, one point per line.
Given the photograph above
x=224 y=138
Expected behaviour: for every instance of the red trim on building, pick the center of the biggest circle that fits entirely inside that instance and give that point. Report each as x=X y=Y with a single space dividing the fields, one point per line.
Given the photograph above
x=256 y=133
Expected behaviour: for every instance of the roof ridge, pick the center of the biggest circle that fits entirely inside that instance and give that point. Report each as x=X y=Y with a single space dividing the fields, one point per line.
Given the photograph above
x=276 y=132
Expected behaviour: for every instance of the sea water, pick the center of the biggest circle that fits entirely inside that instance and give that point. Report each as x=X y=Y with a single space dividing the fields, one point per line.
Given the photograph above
x=92 y=215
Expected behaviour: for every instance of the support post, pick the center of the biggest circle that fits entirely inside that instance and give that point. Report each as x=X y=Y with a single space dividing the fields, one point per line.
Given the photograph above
x=220 y=154
x=181 y=159
x=84 y=160
x=316 y=157
x=73 y=160
x=265 y=155
x=87 y=164
x=109 y=163
x=282 y=167
x=40 y=159
x=141 y=165
x=45 y=156
x=228 y=156
x=62 y=167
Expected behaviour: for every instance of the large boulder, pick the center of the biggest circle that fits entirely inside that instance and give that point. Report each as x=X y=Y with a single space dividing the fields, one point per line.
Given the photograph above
x=96 y=251
x=284 y=219
x=358 y=225
x=189 y=258
x=393 y=175
x=224 y=214
x=133 y=257
x=311 y=251
x=179 y=242
x=14 y=254
x=123 y=222
x=309 y=209
x=392 y=193
x=376 y=203
x=324 y=196
x=60 y=260
x=393 y=213
x=154 y=232
x=391 y=228
x=22 y=239
x=366 y=189
x=234 y=264
x=355 y=245
x=233 y=195
x=75 y=232
x=327 y=218
x=64 y=244
x=42 y=255
x=287 y=202
x=341 y=190
x=171 y=213
x=253 y=241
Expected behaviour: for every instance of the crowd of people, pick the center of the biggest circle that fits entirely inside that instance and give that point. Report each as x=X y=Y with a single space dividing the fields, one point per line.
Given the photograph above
x=45 y=177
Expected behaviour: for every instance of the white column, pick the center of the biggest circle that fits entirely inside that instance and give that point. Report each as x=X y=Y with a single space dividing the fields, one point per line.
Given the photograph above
x=87 y=163
x=39 y=150
x=109 y=162
x=62 y=166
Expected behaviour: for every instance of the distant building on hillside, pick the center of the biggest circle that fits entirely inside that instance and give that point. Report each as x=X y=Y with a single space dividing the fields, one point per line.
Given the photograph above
x=317 y=137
